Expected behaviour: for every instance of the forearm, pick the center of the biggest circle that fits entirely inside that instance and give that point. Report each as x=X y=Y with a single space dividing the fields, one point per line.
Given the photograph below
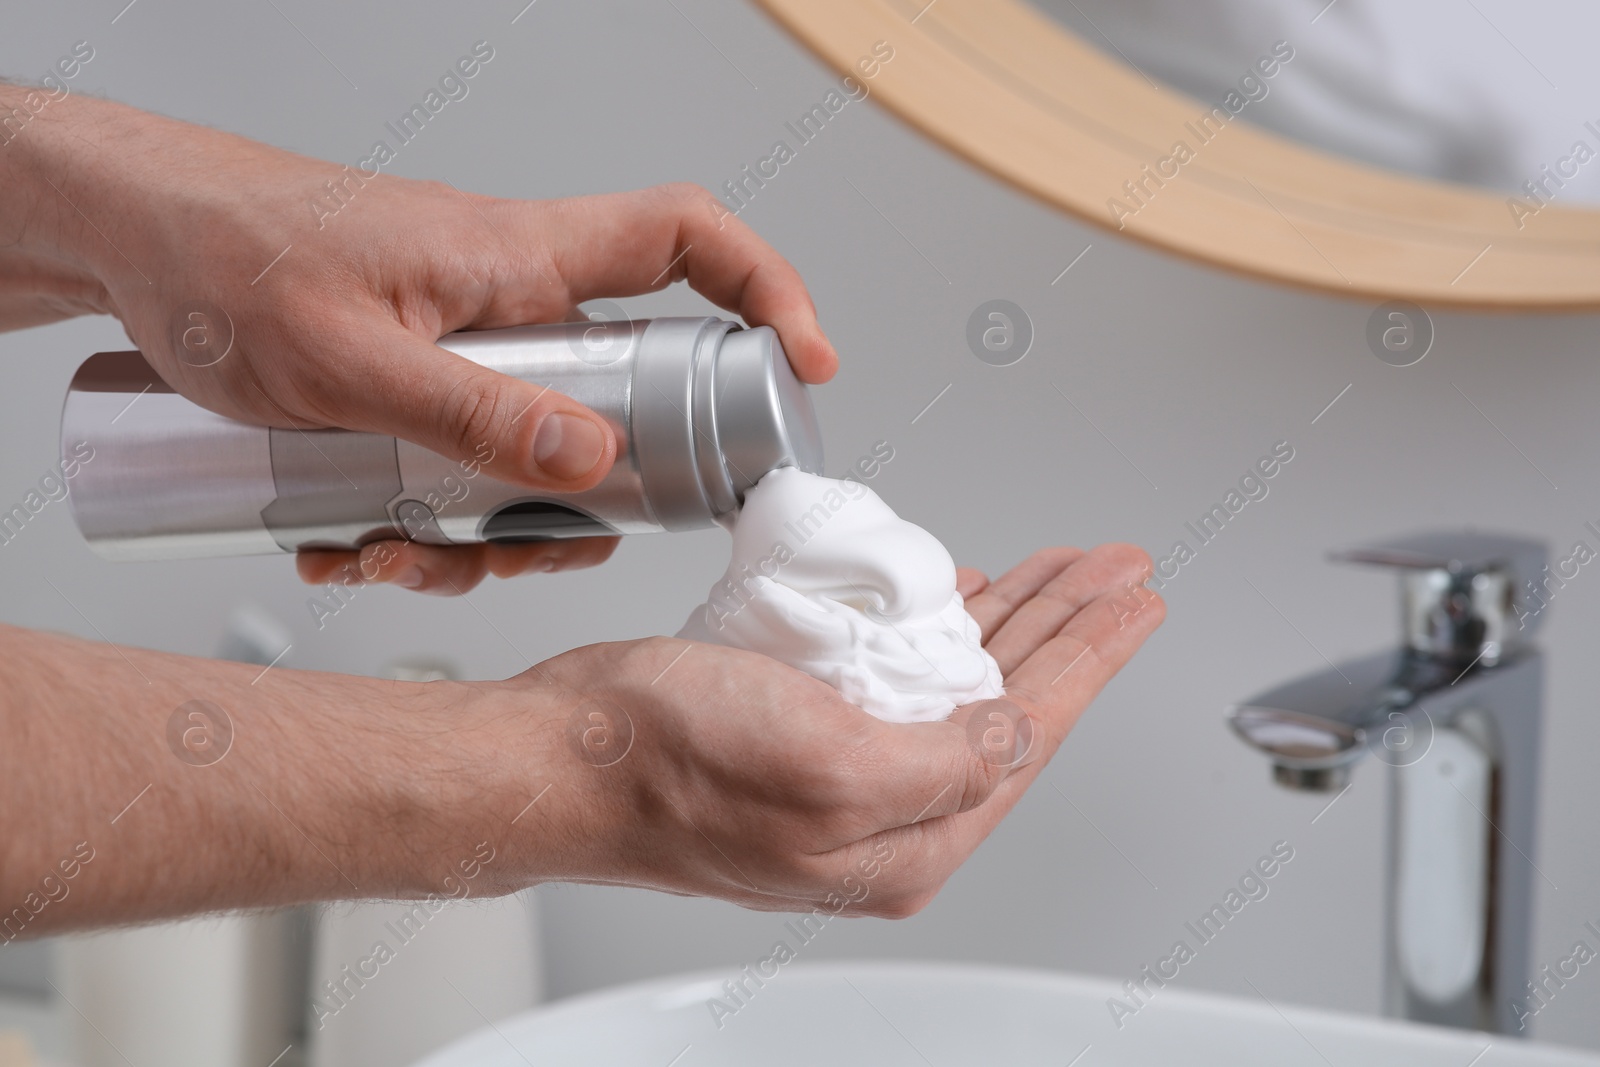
x=45 y=274
x=330 y=787
x=79 y=174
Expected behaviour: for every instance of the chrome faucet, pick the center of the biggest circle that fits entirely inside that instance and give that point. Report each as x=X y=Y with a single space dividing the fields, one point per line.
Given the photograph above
x=1455 y=711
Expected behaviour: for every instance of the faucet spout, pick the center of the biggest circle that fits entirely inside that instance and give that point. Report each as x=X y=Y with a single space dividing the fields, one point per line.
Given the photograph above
x=1315 y=729
x=1308 y=753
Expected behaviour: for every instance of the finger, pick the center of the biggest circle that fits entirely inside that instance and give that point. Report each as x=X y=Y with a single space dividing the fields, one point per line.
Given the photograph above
x=1055 y=686
x=969 y=755
x=448 y=570
x=1107 y=568
x=438 y=569
x=377 y=562
x=408 y=387
x=451 y=570
x=970 y=582
x=1068 y=671
x=905 y=773
x=1017 y=586
x=567 y=554
x=625 y=243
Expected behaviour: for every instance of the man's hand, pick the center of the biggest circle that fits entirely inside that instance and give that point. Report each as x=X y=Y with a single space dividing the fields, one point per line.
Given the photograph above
x=335 y=283
x=716 y=772
x=667 y=764
x=450 y=570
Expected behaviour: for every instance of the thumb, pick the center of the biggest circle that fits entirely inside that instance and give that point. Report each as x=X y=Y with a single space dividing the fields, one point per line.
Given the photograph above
x=936 y=769
x=1001 y=738
x=519 y=431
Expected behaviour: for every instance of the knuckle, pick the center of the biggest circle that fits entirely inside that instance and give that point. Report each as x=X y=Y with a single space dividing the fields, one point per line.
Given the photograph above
x=1064 y=589
x=979 y=785
x=979 y=772
x=632 y=664
x=647 y=650
x=473 y=408
x=687 y=192
x=1096 y=663
x=901 y=904
x=1013 y=596
x=1059 y=555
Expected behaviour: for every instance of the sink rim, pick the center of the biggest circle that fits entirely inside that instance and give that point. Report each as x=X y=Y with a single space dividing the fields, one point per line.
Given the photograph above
x=646 y=995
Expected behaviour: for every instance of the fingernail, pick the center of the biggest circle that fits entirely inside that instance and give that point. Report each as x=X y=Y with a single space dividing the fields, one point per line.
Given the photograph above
x=567 y=447
x=410 y=578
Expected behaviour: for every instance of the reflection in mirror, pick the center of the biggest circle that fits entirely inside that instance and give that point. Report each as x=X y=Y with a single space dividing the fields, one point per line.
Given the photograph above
x=1420 y=154
x=1491 y=93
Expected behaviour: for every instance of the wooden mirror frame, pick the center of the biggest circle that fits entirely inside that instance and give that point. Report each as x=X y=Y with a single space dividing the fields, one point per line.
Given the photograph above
x=1006 y=87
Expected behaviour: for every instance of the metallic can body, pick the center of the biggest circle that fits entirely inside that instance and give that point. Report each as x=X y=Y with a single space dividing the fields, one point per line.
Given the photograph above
x=700 y=408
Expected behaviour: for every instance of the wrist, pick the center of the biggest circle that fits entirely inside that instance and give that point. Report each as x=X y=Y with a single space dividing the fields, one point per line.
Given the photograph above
x=48 y=267
x=474 y=784
x=37 y=215
x=85 y=177
x=123 y=197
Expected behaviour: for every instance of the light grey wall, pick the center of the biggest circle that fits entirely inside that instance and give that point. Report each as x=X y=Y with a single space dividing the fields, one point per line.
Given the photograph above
x=1152 y=810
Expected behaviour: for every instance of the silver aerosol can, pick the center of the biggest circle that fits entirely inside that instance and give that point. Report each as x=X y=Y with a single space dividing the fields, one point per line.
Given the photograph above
x=701 y=409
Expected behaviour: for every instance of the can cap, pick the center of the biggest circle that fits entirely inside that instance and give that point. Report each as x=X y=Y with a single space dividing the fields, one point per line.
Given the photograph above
x=764 y=416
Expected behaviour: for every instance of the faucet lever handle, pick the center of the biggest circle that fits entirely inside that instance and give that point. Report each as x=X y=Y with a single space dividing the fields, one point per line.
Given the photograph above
x=1459 y=590
x=1463 y=552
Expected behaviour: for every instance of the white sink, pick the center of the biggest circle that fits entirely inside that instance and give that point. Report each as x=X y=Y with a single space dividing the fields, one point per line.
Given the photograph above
x=930 y=1015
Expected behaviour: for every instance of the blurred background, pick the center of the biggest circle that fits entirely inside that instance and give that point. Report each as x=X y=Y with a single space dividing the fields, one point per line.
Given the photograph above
x=1151 y=385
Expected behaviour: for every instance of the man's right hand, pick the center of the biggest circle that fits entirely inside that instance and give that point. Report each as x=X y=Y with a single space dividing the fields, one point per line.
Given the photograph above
x=333 y=286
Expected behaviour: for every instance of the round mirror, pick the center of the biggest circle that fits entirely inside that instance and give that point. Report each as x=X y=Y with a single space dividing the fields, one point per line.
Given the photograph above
x=1431 y=152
